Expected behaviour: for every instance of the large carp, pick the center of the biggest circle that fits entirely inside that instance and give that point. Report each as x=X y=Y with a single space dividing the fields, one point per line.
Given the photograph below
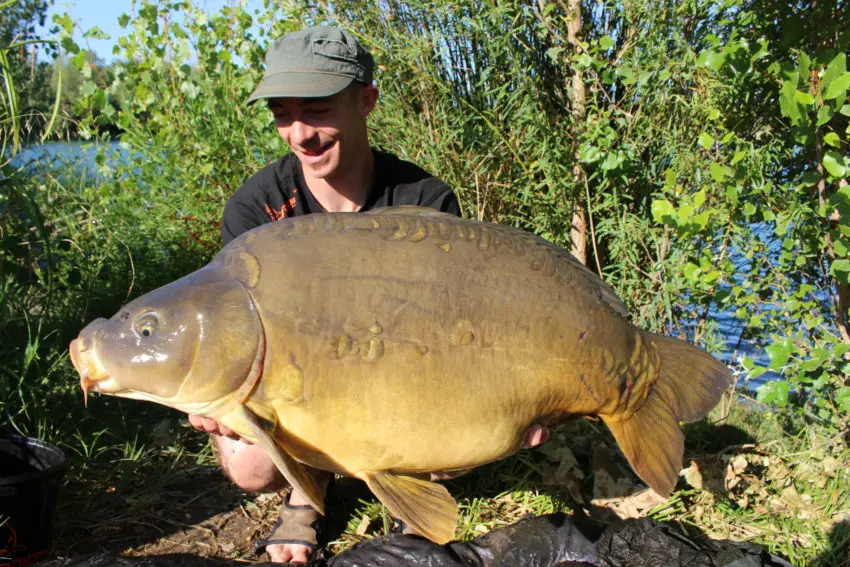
x=390 y=344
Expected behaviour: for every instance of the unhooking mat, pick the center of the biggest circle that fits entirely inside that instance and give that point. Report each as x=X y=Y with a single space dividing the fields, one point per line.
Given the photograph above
x=553 y=540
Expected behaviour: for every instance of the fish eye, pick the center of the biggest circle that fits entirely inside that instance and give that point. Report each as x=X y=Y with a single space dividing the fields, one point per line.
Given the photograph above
x=146 y=325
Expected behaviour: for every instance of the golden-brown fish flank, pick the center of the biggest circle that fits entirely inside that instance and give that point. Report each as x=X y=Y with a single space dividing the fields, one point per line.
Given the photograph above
x=405 y=341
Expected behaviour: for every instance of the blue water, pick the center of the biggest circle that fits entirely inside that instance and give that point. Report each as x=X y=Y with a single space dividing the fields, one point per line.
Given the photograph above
x=79 y=158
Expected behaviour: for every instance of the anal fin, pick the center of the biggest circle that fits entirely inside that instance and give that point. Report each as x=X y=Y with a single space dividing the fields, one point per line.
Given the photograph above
x=294 y=472
x=427 y=507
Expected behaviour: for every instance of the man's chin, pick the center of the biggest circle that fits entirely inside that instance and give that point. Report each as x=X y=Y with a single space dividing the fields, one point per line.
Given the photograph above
x=322 y=170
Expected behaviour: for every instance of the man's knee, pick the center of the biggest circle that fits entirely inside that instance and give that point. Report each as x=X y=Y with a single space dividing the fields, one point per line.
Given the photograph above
x=248 y=466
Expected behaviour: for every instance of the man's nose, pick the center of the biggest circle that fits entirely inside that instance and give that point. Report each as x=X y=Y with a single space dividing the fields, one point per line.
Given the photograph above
x=301 y=132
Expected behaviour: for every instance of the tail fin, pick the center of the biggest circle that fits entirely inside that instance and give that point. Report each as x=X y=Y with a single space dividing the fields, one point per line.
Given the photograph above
x=689 y=385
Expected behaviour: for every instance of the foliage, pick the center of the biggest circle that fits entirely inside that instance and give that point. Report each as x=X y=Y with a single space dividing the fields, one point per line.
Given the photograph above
x=796 y=136
x=18 y=24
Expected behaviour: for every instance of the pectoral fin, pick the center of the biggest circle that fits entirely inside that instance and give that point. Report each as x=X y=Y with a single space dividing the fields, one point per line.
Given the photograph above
x=427 y=507
x=293 y=471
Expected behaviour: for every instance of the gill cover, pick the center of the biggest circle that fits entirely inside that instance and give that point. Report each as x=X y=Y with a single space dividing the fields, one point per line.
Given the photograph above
x=186 y=344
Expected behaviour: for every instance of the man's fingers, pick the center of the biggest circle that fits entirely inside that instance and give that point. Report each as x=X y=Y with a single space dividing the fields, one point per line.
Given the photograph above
x=226 y=431
x=288 y=553
x=536 y=435
x=197 y=421
x=211 y=426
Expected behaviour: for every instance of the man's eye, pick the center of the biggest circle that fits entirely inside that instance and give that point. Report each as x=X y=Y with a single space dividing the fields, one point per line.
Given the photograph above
x=318 y=111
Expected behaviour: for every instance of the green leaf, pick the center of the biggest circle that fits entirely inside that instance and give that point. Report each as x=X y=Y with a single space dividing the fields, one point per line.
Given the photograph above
x=706 y=141
x=612 y=161
x=711 y=59
x=691 y=271
x=670 y=178
x=816 y=361
x=65 y=22
x=840 y=350
x=739 y=155
x=589 y=154
x=779 y=353
x=804 y=65
x=838 y=87
x=749 y=209
x=834 y=163
x=842 y=398
x=699 y=198
x=191 y=90
x=702 y=219
x=605 y=42
x=69 y=45
x=96 y=33
x=832 y=139
x=123 y=20
x=804 y=98
x=88 y=88
x=788 y=101
x=768 y=215
x=774 y=392
x=840 y=269
x=663 y=212
x=719 y=172
x=825 y=114
x=627 y=75
x=712 y=276
x=836 y=69
x=845 y=110
x=79 y=60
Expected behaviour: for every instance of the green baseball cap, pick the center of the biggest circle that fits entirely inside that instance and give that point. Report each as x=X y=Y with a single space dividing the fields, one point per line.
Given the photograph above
x=313 y=62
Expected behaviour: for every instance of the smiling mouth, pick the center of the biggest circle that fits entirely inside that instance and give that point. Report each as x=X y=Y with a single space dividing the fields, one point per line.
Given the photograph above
x=315 y=153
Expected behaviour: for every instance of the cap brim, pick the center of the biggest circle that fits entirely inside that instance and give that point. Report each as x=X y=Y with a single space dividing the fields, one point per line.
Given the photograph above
x=299 y=85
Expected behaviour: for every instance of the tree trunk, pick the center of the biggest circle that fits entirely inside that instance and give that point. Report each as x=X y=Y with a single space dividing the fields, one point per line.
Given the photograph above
x=578 y=226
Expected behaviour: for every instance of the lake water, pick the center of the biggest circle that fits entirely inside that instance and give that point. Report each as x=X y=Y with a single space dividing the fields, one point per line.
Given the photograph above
x=80 y=157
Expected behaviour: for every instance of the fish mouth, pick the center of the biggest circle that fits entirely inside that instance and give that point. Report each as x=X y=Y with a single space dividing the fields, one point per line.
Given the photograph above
x=93 y=376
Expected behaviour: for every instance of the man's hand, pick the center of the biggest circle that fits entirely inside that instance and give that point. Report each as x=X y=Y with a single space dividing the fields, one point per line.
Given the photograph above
x=212 y=427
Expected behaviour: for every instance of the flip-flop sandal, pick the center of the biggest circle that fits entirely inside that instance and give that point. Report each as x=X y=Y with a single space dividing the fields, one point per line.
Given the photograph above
x=299 y=525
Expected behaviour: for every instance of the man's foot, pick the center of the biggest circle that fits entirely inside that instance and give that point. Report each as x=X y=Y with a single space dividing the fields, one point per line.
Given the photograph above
x=295 y=537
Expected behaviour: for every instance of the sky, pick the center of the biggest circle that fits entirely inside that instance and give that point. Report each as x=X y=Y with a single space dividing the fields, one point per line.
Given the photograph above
x=105 y=13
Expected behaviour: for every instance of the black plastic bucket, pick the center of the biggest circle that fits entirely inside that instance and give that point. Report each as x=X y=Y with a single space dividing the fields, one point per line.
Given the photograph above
x=31 y=471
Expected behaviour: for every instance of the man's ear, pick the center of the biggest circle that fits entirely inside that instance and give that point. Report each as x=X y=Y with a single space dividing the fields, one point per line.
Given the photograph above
x=367 y=99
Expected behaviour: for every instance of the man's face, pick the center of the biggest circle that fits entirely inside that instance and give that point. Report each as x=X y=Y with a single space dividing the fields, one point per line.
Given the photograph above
x=326 y=134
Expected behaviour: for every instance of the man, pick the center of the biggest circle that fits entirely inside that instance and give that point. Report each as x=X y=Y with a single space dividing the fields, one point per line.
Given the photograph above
x=318 y=85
